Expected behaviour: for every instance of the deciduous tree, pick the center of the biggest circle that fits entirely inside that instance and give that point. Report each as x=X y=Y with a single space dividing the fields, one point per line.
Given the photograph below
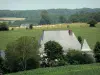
x=19 y=52
x=92 y=23
x=54 y=51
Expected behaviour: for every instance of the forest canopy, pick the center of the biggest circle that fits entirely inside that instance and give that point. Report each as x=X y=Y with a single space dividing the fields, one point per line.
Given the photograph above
x=71 y=15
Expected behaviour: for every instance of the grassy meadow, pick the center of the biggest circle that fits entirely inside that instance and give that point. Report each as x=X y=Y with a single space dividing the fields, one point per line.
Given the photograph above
x=89 y=69
x=92 y=35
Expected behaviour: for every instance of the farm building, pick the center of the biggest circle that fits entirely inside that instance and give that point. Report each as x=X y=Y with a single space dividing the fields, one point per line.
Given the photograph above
x=24 y=26
x=66 y=38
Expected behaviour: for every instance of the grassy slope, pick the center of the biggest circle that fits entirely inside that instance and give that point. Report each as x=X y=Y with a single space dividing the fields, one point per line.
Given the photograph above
x=91 y=34
x=91 y=69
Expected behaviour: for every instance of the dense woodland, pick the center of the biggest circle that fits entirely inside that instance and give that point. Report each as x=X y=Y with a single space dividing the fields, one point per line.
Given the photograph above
x=68 y=15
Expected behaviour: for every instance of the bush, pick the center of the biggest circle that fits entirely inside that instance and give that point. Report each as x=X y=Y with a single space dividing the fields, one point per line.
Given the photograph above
x=26 y=28
x=3 y=27
x=92 y=23
x=32 y=63
x=78 y=57
x=12 y=28
x=1 y=62
x=3 y=67
x=97 y=51
x=30 y=26
x=62 y=63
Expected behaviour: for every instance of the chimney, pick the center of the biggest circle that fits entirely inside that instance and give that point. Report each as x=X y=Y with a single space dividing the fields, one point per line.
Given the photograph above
x=70 y=32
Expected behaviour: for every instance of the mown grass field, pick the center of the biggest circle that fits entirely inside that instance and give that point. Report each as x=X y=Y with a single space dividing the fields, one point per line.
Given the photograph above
x=90 y=69
x=92 y=35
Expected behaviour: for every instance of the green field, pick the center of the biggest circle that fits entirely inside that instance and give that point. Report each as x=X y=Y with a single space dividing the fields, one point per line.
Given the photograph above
x=90 y=69
x=92 y=35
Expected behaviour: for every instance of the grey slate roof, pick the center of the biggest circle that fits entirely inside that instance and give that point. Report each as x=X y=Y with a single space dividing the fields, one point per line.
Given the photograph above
x=62 y=37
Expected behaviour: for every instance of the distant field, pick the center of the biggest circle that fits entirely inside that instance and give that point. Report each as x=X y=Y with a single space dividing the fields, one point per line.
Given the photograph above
x=90 y=69
x=11 y=19
x=92 y=35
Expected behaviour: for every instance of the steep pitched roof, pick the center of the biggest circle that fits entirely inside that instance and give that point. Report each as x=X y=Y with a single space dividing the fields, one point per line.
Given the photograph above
x=85 y=46
x=62 y=37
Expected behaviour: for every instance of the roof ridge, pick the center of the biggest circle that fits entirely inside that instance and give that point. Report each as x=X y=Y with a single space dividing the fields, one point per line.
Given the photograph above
x=55 y=30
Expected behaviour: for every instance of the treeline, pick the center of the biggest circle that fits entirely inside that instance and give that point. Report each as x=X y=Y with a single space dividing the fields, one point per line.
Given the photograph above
x=85 y=17
x=71 y=15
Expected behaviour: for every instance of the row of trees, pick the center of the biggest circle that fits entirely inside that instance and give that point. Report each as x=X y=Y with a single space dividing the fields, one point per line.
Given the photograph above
x=45 y=19
x=71 y=15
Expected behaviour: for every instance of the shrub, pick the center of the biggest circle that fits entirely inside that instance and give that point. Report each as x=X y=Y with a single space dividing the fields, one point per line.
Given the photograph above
x=32 y=63
x=30 y=26
x=78 y=57
x=12 y=28
x=3 y=27
x=62 y=62
x=97 y=51
x=1 y=62
x=3 y=67
x=26 y=28
x=92 y=23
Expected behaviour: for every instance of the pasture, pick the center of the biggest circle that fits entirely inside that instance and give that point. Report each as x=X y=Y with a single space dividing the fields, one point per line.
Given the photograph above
x=89 y=69
x=91 y=34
